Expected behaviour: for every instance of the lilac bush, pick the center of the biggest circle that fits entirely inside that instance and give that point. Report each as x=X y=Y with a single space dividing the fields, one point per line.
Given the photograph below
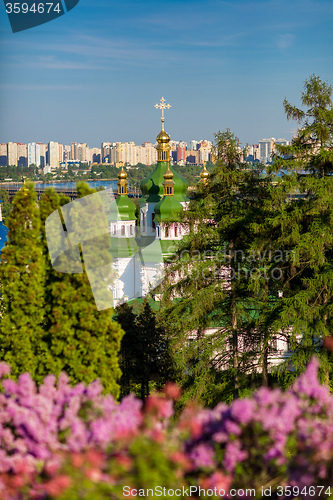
x=59 y=441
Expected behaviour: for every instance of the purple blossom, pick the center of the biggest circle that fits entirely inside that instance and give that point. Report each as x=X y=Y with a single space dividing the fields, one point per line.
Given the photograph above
x=4 y=369
x=202 y=456
x=40 y=425
x=243 y=410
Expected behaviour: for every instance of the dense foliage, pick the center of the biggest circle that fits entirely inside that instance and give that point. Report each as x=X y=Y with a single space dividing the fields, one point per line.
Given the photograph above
x=16 y=173
x=50 y=321
x=210 y=281
x=63 y=442
x=256 y=266
x=144 y=356
x=6 y=205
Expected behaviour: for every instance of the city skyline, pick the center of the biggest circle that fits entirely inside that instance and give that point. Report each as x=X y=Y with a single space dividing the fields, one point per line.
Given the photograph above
x=98 y=71
x=53 y=154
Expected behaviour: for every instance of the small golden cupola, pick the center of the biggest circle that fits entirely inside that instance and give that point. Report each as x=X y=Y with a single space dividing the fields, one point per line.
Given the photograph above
x=163 y=139
x=168 y=183
x=204 y=175
x=122 y=182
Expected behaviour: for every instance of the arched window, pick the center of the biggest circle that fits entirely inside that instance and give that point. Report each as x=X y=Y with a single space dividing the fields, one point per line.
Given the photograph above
x=176 y=231
x=114 y=229
x=152 y=220
x=131 y=229
x=166 y=232
x=123 y=230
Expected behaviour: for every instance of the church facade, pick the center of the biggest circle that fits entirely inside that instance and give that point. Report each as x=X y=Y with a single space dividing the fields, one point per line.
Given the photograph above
x=139 y=249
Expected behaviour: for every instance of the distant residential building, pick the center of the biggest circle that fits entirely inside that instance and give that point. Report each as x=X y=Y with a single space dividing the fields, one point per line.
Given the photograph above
x=22 y=159
x=60 y=152
x=75 y=151
x=3 y=155
x=192 y=156
x=123 y=152
x=95 y=155
x=42 y=152
x=181 y=151
x=252 y=153
x=66 y=154
x=266 y=150
x=33 y=154
x=173 y=145
x=106 y=152
x=256 y=152
x=12 y=153
x=53 y=155
x=193 y=145
x=146 y=153
x=205 y=150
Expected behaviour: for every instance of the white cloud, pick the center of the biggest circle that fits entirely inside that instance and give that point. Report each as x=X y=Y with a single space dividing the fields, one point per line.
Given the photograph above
x=285 y=41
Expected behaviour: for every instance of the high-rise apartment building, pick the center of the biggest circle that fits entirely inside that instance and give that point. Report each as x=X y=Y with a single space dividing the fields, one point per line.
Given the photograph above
x=192 y=156
x=60 y=152
x=193 y=145
x=33 y=154
x=106 y=152
x=53 y=155
x=181 y=151
x=12 y=153
x=256 y=152
x=123 y=152
x=75 y=151
x=42 y=152
x=146 y=154
x=22 y=159
x=3 y=155
x=266 y=150
x=205 y=149
x=95 y=154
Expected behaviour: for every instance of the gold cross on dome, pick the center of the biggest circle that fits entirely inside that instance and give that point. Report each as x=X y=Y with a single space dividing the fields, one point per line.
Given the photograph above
x=162 y=106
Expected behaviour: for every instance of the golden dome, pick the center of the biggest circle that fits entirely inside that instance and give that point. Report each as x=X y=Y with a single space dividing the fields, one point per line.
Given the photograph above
x=168 y=183
x=163 y=137
x=122 y=174
x=168 y=174
x=122 y=183
x=204 y=174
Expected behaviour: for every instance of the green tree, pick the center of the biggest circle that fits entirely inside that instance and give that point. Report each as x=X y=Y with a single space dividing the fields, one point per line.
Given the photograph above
x=302 y=222
x=50 y=321
x=144 y=354
x=81 y=340
x=215 y=279
x=22 y=277
x=6 y=206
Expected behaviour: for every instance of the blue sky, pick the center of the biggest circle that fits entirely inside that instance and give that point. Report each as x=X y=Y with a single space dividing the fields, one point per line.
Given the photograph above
x=96 y=73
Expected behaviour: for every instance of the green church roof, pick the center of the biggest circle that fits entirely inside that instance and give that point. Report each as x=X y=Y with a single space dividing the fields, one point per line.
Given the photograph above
x=152 y=188
x=122 y=208
x=165 y=207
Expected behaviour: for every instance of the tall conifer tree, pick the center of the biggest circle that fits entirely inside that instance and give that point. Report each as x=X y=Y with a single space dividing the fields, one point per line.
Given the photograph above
x=81 y=340
x=301 y=222
x=210 y=282
x=22 y=276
